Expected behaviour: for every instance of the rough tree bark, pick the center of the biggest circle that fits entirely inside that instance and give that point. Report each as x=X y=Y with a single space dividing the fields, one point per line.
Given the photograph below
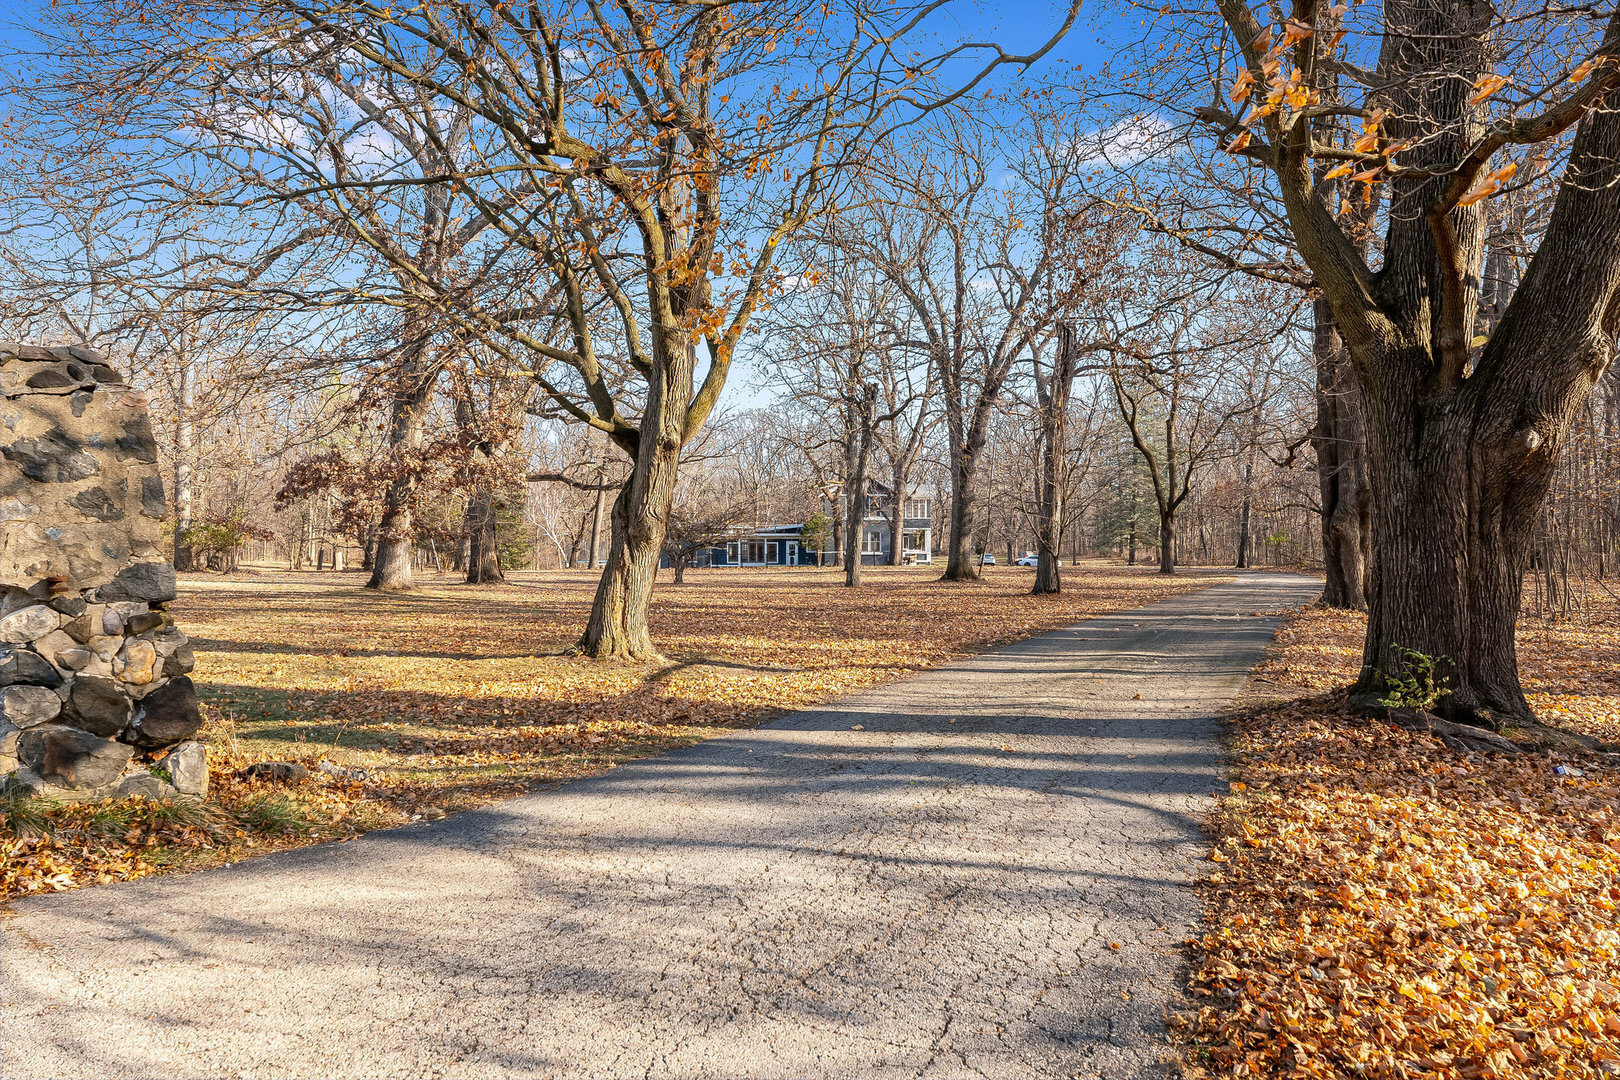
x=1341 y=470
x=900 y=480
x=855 y=492
x=483 y=552
x=1460 y=449
x=1053 y=394
x=391 y=568
x=1243 y=518
x=184 y=558
x=617 y=628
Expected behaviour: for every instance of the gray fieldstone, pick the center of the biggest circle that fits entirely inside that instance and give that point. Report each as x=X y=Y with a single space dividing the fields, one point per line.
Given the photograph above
x=188 y=768
x=22 y=666
x=169 y=640
x=67 y=757
x=105 y=646
x=144 y=784
x=26 y=624
x=153 y=502
x=144 y=622
x=29 y=706
x=168 y=714
x=112 y=622
x=98 y=705
x=71 y=605
x=53 y=458
x=180 y=662
x=150 y=581
x=53 y=645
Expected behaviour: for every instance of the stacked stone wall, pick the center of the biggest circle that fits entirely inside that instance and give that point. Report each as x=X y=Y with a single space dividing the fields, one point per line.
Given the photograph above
x=95 y=695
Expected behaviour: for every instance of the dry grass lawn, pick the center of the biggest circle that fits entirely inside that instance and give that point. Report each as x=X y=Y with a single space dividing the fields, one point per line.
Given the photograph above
x=456 y=695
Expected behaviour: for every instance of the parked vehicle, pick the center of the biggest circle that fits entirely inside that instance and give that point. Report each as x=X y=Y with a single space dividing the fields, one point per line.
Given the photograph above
x=988 y=559
x=1034 y=560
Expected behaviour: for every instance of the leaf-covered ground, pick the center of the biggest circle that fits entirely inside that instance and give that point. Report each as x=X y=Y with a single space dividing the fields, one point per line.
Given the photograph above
x=455 y=695
x=1383 y=907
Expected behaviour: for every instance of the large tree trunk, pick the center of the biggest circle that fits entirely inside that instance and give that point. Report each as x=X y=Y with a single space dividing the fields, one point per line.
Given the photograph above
x=1461 y=447
x=483 y=552
x=1167 y=541
x=856 y=489
x=1243 y=521
x=1054 y=401
x=618 y=624
x=391 y=569
x=1341 y=470
x=959 y=561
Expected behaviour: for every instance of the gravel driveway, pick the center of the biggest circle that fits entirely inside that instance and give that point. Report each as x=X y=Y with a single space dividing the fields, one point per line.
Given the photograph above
x=979 y=871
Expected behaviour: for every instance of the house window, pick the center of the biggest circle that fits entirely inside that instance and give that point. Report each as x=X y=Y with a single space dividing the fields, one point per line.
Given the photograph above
x=732 y=555
x=917 y=508
x=753 y=551
x=872 y=543
x=916 y=540
x=770 y=551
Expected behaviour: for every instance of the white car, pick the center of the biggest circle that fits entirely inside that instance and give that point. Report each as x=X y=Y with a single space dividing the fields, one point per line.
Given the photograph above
x=988 y=559
x=1034 y=560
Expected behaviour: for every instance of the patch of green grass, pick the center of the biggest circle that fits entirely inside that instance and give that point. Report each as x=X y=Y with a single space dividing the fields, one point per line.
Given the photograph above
x=274 y=814
x=21 y=815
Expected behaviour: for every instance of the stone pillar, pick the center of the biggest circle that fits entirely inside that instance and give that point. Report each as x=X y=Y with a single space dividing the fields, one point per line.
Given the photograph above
x=95 y=699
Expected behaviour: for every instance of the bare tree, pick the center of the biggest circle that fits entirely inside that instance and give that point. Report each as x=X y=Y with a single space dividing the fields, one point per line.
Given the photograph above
x=1463 y=430
x=628 y=156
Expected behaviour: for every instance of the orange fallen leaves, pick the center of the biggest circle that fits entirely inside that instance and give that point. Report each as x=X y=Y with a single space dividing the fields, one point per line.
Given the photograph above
x=1386 y=907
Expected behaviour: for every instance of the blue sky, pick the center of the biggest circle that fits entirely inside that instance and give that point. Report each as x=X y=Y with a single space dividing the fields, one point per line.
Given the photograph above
x=1016 y=27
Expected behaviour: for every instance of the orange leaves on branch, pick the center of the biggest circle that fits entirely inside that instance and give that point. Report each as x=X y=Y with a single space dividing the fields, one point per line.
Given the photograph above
x=1485 y=86
x=1239 y=143
x=1489 y=184
x=1584 y=68
x=1294 y=31
x=1242 y=86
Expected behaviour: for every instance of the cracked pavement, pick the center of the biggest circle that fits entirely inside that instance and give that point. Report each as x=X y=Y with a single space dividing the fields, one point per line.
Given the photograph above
x=991 y=879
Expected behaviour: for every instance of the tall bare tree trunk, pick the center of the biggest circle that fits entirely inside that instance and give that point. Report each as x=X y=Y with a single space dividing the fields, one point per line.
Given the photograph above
x=1243 y=521
x=959 y=562
x=618 y=624
x=1341 y=466
x=1167 y=541
x=391 y=569
x=483 y=552
x=856 y=489
x=1054 y=401
x=900 y=478
x=601 y=504
x=184 y=559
